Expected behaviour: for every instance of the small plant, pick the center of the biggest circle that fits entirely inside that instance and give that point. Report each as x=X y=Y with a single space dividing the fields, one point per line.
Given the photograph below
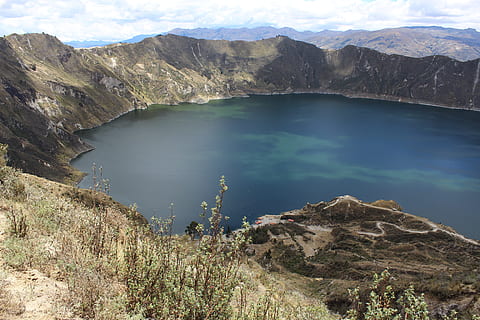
x=18 y=222
x=15 y=253
x=3 y=154
x=98 y=236
x=382 y=302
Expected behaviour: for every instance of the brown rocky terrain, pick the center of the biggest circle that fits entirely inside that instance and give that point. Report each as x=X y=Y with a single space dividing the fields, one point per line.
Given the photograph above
x=339 y=244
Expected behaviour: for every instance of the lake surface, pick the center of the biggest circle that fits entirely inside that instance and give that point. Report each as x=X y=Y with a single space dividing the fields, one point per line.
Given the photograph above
x=280 y=152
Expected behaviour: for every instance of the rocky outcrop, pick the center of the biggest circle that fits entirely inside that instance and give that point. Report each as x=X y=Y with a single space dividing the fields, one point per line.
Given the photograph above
x=49 y=90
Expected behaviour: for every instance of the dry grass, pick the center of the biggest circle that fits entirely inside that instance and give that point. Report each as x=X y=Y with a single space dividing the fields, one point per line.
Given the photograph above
x=62 y=241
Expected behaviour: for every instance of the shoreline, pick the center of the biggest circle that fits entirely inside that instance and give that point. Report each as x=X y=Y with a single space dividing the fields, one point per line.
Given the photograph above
x=91 y=147
x=201 y=101
x=368 y=97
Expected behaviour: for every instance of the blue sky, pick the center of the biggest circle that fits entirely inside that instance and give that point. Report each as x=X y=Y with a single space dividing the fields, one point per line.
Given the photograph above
x=122 y=19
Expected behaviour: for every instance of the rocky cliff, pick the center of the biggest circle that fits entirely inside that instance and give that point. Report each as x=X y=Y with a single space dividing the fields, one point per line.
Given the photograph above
x=50 y=90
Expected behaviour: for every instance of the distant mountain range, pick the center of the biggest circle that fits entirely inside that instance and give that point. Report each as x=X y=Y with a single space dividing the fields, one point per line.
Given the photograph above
x=460 y=44
x=100 y=43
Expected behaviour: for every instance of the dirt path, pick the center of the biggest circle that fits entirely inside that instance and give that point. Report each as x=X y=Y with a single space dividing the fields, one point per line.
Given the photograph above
x=435 y=227
x=379 y=225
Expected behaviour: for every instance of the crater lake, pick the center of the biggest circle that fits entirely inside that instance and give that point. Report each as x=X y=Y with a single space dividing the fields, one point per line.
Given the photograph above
x=279 y=152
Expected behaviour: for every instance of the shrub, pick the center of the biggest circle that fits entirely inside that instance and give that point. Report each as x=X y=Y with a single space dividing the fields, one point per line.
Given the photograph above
x=259 y=235
x=192 y=230
x=278 y=305
x=167 y=278
x=382 y=302
x=15 y=253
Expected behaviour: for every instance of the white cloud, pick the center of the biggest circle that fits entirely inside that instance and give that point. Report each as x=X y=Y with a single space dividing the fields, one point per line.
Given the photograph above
x=121 y=19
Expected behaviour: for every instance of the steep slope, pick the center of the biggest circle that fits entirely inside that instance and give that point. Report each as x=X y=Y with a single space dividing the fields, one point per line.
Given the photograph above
x=27 y=124
x=49 y=90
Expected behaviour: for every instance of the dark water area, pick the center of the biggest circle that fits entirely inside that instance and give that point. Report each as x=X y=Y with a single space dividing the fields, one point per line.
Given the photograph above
x=280 y=152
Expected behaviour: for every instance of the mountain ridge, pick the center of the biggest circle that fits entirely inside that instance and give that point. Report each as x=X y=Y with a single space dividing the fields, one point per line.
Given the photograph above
x=414 y=41
x=50 y=90
x=460 y=44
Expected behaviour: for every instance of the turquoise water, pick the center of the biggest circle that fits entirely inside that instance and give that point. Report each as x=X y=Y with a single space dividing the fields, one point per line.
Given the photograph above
x=279 y=152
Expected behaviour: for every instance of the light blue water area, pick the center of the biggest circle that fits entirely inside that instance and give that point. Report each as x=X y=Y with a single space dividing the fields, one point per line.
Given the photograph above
x=279 y=152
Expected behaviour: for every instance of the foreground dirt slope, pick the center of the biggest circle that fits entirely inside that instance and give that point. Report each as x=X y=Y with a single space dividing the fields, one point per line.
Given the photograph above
x=26 y=292
x=35 y=279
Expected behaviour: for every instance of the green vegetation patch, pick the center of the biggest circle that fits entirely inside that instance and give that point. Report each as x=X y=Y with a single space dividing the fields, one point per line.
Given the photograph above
x=293 y=259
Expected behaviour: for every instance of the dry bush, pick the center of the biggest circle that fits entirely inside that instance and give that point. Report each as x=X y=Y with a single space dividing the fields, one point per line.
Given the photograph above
x=17 y=222
x=89 y=261
x=118 y=268
x=88 y=292
x=11 y=187
x=263 y=295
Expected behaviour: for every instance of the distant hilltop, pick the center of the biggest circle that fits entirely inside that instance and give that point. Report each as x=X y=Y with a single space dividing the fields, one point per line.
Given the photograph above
x=460 y=44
